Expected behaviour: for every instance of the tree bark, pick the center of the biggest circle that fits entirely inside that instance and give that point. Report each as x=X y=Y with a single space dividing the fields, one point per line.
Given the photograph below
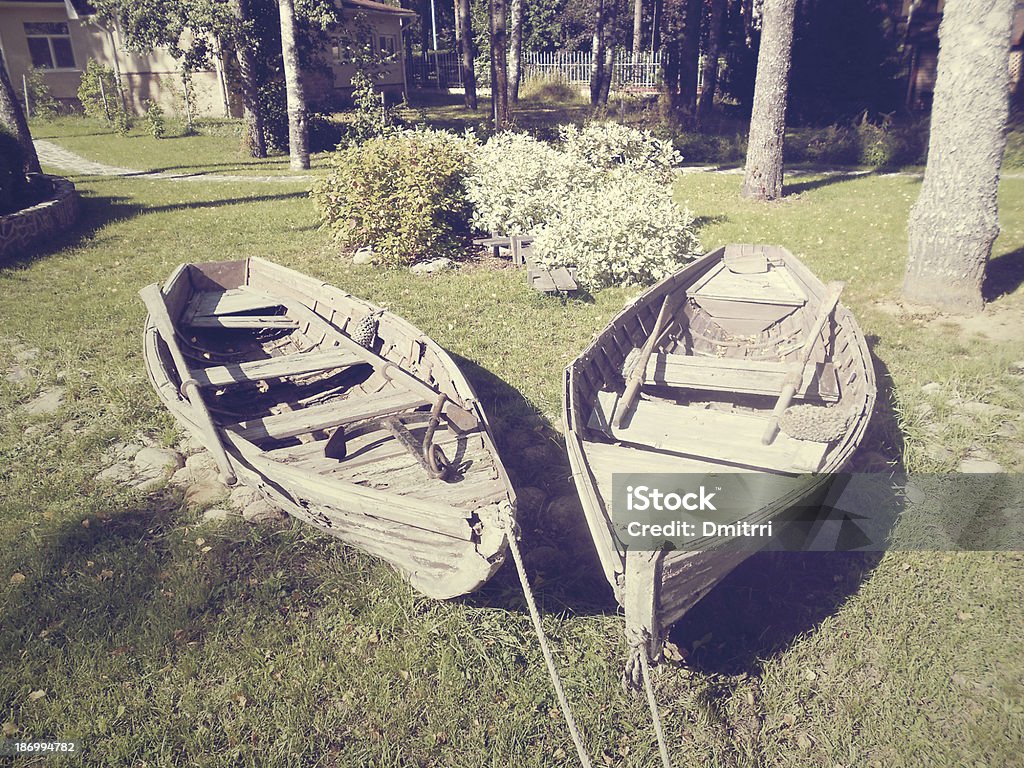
x=14 y=118
x=464 y=21
x=706 y=101
x=597 y=52
x=499 y=66
x=689 y=58
x=515 y=61
x=638 y=27
x=298 y=127
x=609 y=50
x=252 y=109
x=763 y=177
x=955 y=220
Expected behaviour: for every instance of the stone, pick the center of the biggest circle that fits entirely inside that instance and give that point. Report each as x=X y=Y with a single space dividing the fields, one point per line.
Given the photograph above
x=18 y=374
x=218 y=515
x=564 y=517
x=932 y=388
x=1017 y=367
x=25 y=354
x=121 y=472
x=364 y=255
x=242 y=496
x=535 y=454
x=544 y=559
x=979 y=466
x=153 y=466
x=938 y=453
x=262 y=511
x=202 y=481
x=45 y=403
x=983 y=409
x=433 y=266
x=923 y=409
x=190 y=444
x=530 y=500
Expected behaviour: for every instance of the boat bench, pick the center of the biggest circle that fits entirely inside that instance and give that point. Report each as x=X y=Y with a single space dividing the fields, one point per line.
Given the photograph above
x=274 y=368
x=754 y=377
x=224 y=309
x=703 y=433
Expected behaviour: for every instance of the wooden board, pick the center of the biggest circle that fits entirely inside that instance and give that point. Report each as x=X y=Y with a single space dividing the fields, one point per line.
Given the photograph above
x=563 y=279
x=726 y=374
x=317 y=417
x=236 y=322
x=216 y=303
x=274 y=368
x=708 y=434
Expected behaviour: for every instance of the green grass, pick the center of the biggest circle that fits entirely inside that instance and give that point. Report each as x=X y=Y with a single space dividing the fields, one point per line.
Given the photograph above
x=282 y=647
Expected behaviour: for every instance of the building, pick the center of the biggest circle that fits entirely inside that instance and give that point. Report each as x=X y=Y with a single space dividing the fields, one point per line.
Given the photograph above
x=921 y=19
x=58 y=37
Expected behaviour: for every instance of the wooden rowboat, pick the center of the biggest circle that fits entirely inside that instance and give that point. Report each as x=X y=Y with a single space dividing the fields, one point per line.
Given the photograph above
x=708 y=352
x=341 y=413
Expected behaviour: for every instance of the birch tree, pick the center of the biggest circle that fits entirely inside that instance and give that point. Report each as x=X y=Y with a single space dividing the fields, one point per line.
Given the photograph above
x=955 y=219
x=638 y=27
x=515 y=49
x=298 y=127
x=762 y=179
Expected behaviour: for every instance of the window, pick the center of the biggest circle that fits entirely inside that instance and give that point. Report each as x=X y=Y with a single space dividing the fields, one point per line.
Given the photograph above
x=388 y=47
x=49 y=45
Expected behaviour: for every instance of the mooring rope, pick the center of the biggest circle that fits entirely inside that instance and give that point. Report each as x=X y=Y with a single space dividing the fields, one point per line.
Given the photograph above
x=653 y=704
x=556 y=681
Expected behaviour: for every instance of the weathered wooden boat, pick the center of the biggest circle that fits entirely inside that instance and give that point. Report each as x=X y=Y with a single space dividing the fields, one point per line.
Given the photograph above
x=341 y=413
x=694 y=377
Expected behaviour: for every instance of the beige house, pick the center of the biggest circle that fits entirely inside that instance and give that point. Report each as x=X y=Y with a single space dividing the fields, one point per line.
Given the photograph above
x=58 y=37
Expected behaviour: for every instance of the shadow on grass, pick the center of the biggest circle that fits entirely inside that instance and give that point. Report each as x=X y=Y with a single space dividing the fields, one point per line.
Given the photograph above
x=224 y=202
x=1003 y=275
x=95 y=212
x=825 y=181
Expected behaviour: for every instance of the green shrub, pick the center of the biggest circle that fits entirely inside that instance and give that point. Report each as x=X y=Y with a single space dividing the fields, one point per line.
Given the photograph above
x=710 y=148
x=41 y=102
x=402 y=194
x=550 y=90
x=886 y=144
x=517 y=183
x=13 y=186
x=614 y=146
x=155 y=119
x=101 y=97
x=371 y=117
x=627 y=230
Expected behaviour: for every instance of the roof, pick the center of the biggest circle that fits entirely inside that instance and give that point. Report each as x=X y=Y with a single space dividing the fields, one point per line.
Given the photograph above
x=377 y=7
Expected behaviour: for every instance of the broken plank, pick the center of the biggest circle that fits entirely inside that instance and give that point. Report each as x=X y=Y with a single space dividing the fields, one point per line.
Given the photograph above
x=563 y=279
x=244 y=322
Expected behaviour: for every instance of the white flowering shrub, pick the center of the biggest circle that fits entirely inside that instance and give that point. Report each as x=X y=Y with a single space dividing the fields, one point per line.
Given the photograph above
x=516 y=183
x=626 y=230
x=613 y=146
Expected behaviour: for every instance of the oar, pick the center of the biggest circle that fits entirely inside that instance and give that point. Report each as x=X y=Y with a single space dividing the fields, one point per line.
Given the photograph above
x=795 y=377
x=639 y=372
x=153 y=298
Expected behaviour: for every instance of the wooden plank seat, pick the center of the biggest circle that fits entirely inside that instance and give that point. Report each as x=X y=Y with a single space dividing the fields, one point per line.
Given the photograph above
x=274 y=368
x=327 y=415
x=229 y=302
x=708 y=434
x=754 y=377
x=242 y=322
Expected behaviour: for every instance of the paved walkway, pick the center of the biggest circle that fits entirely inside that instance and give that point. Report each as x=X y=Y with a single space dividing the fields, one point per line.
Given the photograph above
x=52 y=154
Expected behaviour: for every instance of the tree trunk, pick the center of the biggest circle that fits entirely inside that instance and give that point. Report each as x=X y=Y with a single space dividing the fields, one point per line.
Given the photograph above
x=14 y=118
x=638 y=27
x=689 y=57
x=298 y=128
x=763 y=177
x=499 y=65
x=464 y=21
x=515 y=61
x=252 y=110
x=597 y=53
x=955 y=219
x=710 y=78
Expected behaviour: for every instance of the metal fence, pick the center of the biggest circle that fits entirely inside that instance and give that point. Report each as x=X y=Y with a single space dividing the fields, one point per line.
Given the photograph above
x=633 y=71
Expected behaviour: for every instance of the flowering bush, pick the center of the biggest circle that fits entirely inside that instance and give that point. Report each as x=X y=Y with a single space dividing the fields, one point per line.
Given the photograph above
x=627 y=230
x=517 y=183
x=611 y=145
x=402 y=194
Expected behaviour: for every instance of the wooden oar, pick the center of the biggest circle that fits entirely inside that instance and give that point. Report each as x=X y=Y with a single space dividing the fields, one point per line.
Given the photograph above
x=639 y=372
x=795 y=377
x=153 y=298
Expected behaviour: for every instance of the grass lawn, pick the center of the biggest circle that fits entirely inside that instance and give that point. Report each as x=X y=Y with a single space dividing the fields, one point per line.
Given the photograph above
x=278 y=646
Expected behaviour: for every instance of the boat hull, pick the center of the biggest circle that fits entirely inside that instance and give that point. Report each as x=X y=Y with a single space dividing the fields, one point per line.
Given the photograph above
x=280 y=373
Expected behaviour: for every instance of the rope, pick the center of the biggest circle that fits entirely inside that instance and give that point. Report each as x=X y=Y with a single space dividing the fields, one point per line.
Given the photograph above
x=574 y=731
x=652 y=702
